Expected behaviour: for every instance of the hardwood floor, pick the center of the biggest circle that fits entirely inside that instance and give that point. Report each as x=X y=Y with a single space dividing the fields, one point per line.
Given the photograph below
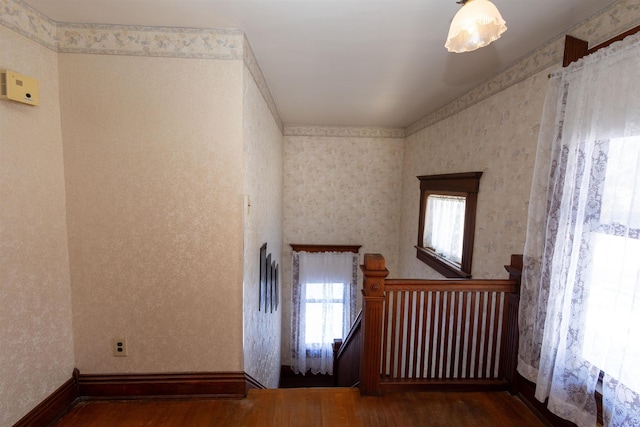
x=311 y=407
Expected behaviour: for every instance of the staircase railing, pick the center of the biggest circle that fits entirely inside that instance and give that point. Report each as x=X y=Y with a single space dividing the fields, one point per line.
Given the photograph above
x=346 y=365
x=426 y=334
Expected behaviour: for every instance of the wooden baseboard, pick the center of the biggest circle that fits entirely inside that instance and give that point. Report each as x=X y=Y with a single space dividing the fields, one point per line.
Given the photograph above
x=526 y=393
x=251 y=382
x=163 y=386
x=138 y=386
x=53 y=407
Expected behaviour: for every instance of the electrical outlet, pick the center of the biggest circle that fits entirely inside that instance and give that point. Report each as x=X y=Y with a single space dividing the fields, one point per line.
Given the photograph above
x=120 y=347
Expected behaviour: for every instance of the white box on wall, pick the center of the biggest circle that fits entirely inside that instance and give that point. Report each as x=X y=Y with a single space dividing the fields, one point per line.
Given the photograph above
x=16 y=87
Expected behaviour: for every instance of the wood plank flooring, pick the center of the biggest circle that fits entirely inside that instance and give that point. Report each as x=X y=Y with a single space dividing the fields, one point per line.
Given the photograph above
x=311 y=407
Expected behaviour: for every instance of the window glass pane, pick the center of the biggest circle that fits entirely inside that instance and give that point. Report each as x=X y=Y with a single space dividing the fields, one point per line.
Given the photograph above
x=316 y=328
x=322 y=292
x=314 y=291
x=613 y=309
x=444 y=225
x=622 y=180
x=327 y=298
x=336 y=291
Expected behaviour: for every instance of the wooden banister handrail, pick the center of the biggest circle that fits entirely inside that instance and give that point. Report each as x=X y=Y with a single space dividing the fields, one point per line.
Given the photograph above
x=387 y=320
x=354 y=328
x=451 y=285
x=347 y=356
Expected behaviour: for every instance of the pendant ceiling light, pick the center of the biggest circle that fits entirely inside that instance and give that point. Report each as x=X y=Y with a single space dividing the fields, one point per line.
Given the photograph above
x=476 y=24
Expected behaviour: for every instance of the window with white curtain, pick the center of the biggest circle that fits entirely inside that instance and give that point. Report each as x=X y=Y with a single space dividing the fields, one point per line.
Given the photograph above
x=580 y=297
x=447 y=222
x=444 y=225
x=612 y=312
x=323 y=306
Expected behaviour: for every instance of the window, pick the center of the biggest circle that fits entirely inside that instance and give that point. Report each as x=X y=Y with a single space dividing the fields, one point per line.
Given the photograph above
x=580 y=295
x=324 y=282
x=613 y=311
x=447 y=222
x=324 y=301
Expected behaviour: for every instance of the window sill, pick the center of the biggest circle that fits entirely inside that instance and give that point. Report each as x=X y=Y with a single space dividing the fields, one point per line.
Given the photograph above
x=440 y=264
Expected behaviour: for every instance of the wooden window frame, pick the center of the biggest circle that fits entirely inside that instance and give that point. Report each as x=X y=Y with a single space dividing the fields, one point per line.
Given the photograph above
x=456 y=184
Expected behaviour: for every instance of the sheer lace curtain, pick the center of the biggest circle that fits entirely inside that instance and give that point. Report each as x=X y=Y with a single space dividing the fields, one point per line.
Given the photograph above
x=580 y=302
x=444 y=225
x=323 y=307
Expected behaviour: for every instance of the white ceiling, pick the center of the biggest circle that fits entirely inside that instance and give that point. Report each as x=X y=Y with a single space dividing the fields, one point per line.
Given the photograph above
x=350 y=62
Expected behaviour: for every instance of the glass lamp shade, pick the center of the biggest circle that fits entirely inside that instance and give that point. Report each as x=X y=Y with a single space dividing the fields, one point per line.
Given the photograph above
x=477 y=23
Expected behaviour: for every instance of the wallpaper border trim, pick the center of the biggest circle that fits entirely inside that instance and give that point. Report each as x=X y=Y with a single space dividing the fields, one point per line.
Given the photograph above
x=150 y=41
x=550 y=54
x=25 y=20
x=233 y=45
x=136 y=40
x=343 y=131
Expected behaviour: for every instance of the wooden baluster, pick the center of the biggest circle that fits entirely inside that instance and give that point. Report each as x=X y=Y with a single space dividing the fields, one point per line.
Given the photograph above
x=424 y=349
x=416 y=335
x=495 y=326
x=455 y=340
x=402 y=342
x=375 y=272
x=432 y=336
x=473 y=322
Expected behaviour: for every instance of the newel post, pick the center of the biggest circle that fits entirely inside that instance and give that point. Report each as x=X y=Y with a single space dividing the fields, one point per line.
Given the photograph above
x=374 y=272
x=509 y=356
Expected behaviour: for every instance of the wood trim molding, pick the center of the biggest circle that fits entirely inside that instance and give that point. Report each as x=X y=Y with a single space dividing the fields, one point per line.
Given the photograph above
x=137 y=386
x=467 y=185
x=526 y=393
x=53 y=407
x=575 y=48
x=325 y=248
x=465 y=182
x=164 y=386
x=251 y=383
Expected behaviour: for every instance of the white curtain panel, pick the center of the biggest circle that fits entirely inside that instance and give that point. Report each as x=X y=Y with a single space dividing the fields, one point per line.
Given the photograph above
x=323 y=307
x=444 y=225
x=580 y=300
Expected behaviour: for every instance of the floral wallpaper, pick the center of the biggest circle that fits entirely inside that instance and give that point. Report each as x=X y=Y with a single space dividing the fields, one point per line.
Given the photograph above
x=494 y=129
x=613 y=20
x=339 y=190
x=35 y=290
x=339 y=185
x=497 y=136
x=262 y=224
x=226 y=44
x=154 y=189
